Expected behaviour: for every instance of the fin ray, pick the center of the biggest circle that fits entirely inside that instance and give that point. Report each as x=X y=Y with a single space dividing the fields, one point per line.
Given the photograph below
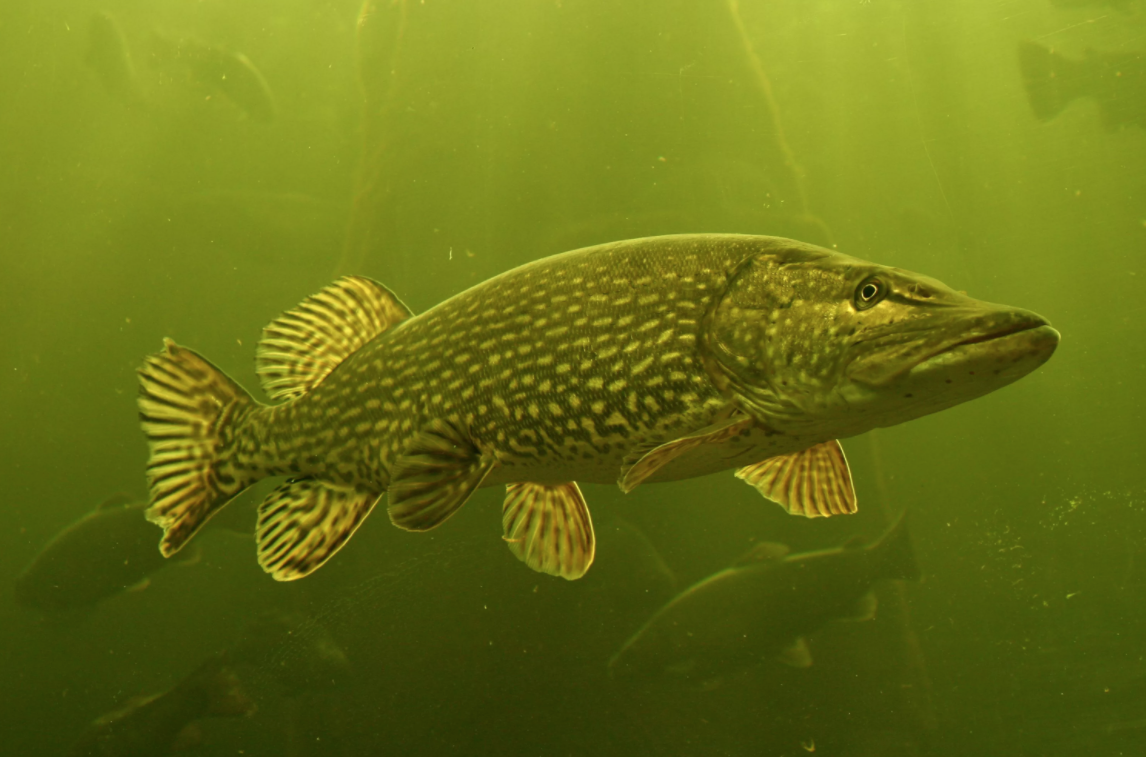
x=302 y=346
x=548 y=528
x=814 y=482
x=188 y=409
x=438 y=472
x=304 y=522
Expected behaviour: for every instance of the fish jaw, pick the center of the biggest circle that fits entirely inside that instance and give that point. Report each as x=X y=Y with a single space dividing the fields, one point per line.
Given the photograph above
x=821 y=345
x=975 y=354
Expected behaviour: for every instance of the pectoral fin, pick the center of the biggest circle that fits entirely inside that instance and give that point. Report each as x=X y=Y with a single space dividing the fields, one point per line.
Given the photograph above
x=548 y=528
x=813 y=482
x=642 y=463
x=435 y=476
x=304 y=522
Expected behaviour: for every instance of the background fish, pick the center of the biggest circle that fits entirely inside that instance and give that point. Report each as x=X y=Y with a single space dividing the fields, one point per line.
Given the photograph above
x=108 y=551
x=152 y=726
x=645 y=360
x=104 y=553
x=763 y=607
x=1116 y=81
x=227 y=72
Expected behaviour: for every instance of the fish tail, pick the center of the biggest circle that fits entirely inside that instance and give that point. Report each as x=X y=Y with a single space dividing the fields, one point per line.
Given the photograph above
x=191 y=413
x=894 y=555
x=1051 y=80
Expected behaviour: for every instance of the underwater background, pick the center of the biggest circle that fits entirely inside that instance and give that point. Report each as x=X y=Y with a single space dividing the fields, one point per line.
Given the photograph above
x=432 y=144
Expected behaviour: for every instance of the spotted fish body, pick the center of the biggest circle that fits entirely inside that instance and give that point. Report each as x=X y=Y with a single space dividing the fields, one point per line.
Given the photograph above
x=645 y=360
x=558 y=368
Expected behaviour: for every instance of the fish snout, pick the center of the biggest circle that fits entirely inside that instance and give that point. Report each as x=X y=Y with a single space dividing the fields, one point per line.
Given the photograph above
x=993 y=348
x=1002 y=332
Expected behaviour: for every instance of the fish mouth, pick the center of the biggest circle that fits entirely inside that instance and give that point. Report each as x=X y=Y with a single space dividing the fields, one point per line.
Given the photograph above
x=973 y=338
x=1029 y=336
x=1027 y=324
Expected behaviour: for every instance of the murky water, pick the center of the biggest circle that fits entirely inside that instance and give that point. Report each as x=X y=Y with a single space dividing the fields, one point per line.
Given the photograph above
x=192 y=169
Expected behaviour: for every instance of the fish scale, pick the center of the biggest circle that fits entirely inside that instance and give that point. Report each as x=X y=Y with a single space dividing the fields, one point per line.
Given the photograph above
x=573 y=360
x=637 y=361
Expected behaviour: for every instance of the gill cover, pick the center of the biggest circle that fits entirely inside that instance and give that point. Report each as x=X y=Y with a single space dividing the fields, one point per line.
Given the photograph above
x=772 y=337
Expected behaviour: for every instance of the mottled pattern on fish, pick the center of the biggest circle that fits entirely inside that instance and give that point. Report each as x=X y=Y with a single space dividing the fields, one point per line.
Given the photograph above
x=644 y=360
x=559 y=367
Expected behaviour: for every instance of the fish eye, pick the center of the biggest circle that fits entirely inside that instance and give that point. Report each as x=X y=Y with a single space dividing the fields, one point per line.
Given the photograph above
x=869 y=293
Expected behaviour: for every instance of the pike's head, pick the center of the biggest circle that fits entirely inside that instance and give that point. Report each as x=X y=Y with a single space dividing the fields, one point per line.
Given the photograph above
x=809 y=341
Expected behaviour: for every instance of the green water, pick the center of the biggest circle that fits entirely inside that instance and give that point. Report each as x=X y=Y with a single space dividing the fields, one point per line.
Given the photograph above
x=432 y=144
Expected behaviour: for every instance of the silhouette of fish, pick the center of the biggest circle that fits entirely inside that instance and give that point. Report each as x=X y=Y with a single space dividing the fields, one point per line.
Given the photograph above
x=104 y=553
x=227 y=72
x=1115 y=81
x=157 y=725
x=763 y=607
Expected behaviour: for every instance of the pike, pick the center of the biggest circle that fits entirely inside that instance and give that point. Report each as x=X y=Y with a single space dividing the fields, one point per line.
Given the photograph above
x=161 y=724
x=764 y=606
x=645 y=360
x=106 y=552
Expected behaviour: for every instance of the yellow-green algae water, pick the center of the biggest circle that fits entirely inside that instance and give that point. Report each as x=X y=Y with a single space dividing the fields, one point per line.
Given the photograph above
x=192 y=169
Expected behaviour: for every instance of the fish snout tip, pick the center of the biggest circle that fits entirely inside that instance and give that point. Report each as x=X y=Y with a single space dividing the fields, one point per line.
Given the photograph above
x=1046 y=339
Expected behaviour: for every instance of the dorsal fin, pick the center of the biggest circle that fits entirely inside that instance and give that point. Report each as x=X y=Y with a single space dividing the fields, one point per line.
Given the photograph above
x=302 y=346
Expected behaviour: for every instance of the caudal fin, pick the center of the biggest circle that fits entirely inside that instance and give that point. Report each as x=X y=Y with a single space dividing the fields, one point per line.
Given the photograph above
x=894 y=555
x=1050 y=79
x=189 y=410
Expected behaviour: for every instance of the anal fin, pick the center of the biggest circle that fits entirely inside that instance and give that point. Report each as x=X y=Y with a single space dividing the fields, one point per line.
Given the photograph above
x=813 y=482
x=304 y=522
x=548 y=528
x=643 y=463
x=435 y=476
